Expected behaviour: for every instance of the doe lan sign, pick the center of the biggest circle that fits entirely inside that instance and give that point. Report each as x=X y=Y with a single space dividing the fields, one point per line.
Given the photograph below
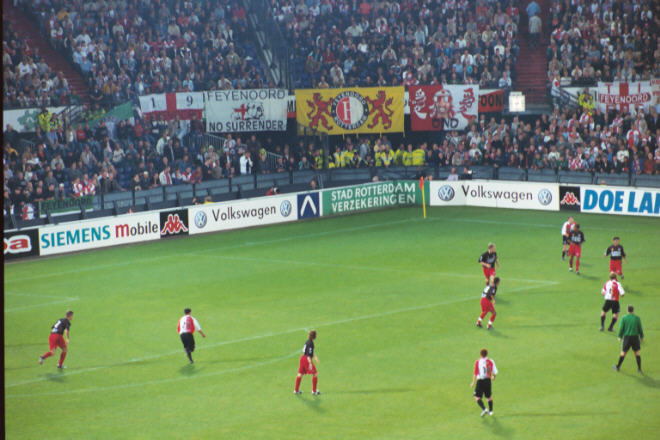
x=620 y=200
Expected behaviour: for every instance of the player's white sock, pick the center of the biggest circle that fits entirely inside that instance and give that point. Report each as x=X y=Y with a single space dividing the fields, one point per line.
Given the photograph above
x=490 y=323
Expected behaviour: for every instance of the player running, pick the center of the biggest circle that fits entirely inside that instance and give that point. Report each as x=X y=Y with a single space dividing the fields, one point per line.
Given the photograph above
x=616 y=253
x=484 y=371
x=576 y=237
x=612 y=291
x=306 y=366
x=57 y=339
x=186 y=327
x=565 y=232
x=488 y=303
x=488 y=260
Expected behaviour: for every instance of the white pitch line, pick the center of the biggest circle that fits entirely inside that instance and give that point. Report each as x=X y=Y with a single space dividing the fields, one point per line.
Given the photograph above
x=273 y=334
x=242 y=245
x=159 y=381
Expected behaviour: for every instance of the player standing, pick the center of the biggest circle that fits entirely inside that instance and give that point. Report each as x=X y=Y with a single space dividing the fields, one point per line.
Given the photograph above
x=488 y=303
x=488 y=260
x=484 y=371
x=565 y=231
x=616 y=253
x=186 y=327
x=306 y=366
x=57 y=339
x=576 y=237
x=631 y=331
x=612 y=291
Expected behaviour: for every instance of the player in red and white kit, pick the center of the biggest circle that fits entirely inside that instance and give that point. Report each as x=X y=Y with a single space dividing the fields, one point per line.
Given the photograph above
x=612 y=291
x=306 y=365
x=576 y=238
x=488 y=260
x=565 y=231
x=57 y=339
x=616 y=253
x=484 y=372
x=488 y=303
x=186 y=328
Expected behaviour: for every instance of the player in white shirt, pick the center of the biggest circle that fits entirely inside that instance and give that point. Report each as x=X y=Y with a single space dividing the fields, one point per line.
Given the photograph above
x=186 y=328
x=612 y=291
x=484 y=371
x=565 y=231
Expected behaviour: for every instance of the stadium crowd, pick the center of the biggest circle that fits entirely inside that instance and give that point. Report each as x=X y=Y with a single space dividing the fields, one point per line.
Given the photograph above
x=132 y=48
x=370 y=43
x=27 y=80
x=603 y=41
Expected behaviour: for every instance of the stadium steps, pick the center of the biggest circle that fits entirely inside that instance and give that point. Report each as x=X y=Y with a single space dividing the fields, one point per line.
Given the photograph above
x=28 y=31
x=532 y=65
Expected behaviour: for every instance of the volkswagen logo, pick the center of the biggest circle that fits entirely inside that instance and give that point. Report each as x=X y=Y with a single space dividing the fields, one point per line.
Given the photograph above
x=446 y=193
x=285 y=208
x=200 y=219
x=545 y=197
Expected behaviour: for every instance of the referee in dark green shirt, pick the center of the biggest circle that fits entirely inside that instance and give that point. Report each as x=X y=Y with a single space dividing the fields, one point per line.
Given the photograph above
x=631 y=331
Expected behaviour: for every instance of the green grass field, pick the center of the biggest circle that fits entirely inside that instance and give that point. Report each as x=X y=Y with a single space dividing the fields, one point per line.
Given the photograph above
x=394 y=299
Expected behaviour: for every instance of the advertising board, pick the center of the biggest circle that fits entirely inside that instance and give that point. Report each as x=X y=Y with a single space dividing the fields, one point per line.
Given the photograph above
x=370 y=196
x=20 y=244
x=91 y=234
x=620 y=200
x=496 y=194
x=242 y=213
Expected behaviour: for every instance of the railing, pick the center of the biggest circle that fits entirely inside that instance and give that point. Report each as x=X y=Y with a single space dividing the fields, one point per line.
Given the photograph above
x=276 y=40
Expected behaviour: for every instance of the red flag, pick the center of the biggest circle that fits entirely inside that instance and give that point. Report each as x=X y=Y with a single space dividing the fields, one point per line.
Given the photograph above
x=421 y=183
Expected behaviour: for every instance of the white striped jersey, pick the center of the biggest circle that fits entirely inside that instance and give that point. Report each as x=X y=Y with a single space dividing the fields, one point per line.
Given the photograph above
x=485 y=368
x=612 y=290
x=188 y=324
x=566 y=228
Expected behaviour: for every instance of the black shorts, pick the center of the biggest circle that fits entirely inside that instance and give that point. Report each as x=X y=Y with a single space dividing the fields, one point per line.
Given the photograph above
x=630 y=342
x=564 y=240
x=610 y=304
x=188 y=341
x=483 y=388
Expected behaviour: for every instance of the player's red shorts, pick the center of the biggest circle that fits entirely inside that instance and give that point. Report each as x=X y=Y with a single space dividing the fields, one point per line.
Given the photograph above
x=487 y=306
x=56 y=340
x=575 y=250
x=615 y=266
x=303 y=368
x=488 y=271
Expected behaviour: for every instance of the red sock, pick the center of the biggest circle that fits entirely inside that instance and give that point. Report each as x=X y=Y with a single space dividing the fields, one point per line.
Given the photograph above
x=298 y=379
x=47 y=355
x=577 y=264
x=62 y=356
x=314 y=382
x=570 y=263
x=492 y=317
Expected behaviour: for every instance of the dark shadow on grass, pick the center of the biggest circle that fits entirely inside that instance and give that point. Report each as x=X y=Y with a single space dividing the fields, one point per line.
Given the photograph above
x=643 y=379
x=560 y=414
x=637 y=293
x=188 y=370
x=498 y=334
x=497 y=428
x=502 y=301
x=56 y=377
x=587 y=277
x=376 y=391
x=312 y=402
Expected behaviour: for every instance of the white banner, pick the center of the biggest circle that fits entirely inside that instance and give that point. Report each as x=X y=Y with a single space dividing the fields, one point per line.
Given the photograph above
x=92 y=234
x=620 y=200
x=25 y=120
x=246 y=110
x=496 y=194
x=443 y=107
x=166 y=106
x=625 y=96
x=242 y=213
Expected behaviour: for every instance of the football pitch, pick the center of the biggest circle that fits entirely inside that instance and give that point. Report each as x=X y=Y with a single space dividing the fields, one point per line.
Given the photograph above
x=394 y=299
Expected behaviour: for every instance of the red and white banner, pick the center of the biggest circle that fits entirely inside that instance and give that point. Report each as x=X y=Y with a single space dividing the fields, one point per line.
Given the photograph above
x=624 y=96
x=166 y=106
x=443 y=107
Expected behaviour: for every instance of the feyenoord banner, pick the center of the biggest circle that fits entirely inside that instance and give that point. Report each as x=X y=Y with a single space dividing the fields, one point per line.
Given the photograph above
x=351 y=110
x=165 y=106
x=624 y=96
x=246 y=110
x=443 y=107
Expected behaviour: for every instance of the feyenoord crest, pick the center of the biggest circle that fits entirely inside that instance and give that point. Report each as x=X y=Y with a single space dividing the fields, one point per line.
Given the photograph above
x=350 y=110
x=545 y=197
